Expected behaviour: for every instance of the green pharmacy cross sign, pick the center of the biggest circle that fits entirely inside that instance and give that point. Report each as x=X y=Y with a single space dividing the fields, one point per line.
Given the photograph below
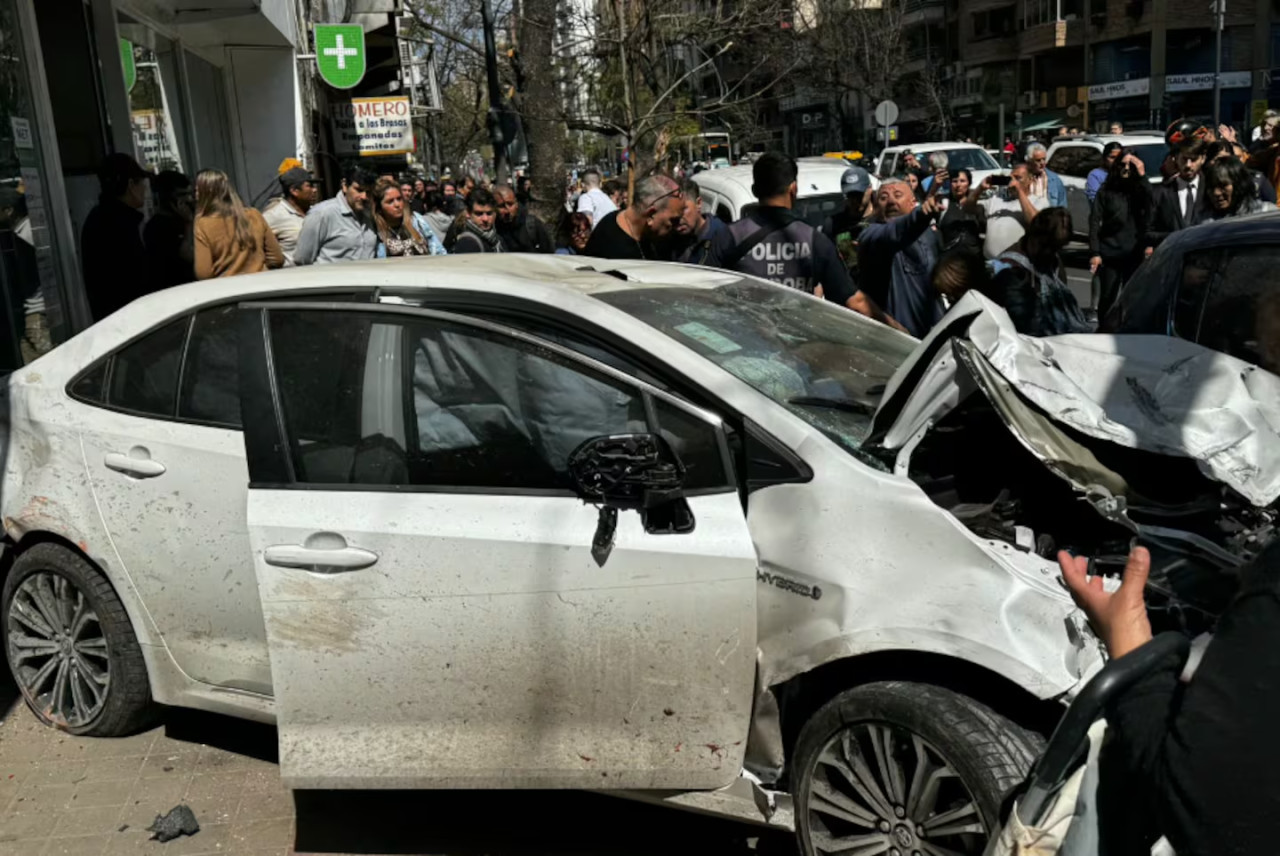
x=340 y=54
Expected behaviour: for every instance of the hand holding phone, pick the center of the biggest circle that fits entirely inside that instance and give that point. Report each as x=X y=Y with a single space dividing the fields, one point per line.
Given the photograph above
x=999 y=180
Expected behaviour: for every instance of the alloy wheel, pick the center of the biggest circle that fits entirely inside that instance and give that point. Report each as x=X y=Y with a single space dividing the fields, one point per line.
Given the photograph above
x=881 y=789
x=58 y=650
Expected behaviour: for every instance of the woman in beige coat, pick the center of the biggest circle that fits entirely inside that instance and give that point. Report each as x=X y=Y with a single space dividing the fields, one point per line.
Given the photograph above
x=230 y=238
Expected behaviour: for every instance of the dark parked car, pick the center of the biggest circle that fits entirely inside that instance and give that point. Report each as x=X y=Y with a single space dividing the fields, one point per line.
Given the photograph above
x=1217 y=284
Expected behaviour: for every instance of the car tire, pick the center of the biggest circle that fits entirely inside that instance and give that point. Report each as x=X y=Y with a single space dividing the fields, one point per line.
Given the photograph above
x=97 y=652
x=974 y=755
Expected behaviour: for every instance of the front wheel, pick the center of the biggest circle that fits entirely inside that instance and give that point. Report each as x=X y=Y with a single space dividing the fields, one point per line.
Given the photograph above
x=905 y=769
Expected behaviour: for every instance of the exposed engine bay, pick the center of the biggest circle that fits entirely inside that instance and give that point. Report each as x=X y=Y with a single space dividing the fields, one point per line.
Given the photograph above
x=982 y=419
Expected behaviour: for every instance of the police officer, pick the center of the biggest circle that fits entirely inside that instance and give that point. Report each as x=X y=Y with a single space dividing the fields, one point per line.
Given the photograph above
x=773 y=243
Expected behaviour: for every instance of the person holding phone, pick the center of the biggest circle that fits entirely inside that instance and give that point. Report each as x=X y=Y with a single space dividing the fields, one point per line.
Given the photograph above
x=1008 y=211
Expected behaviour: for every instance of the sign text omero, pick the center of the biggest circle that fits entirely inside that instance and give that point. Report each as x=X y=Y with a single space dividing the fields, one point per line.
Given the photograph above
x=372 y=126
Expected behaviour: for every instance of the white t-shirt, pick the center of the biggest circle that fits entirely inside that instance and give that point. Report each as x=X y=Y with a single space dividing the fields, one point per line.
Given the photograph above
x=596 y=204
x=1006 y=224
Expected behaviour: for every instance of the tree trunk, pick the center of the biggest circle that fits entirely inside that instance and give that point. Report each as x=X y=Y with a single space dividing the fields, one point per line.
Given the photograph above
x=544 y=127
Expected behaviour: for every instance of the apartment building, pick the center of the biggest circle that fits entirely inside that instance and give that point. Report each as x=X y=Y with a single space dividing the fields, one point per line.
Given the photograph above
x=1087 y=63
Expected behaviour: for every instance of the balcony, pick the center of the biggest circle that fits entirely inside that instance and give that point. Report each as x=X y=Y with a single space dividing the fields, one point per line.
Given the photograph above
x=919 y=12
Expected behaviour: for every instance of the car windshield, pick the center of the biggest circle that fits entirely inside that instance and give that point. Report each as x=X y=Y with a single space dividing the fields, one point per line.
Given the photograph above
x=962 y=159
x=824 y=363
x=814 y=210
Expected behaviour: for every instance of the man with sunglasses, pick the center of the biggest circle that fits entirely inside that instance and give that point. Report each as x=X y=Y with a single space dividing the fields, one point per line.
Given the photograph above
x=642 y=229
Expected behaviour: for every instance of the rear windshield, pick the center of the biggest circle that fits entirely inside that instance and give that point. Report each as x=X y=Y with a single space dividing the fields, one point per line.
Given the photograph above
x=814 y=210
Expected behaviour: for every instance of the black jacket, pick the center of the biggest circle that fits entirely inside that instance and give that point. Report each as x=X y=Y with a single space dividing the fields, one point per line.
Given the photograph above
x=1115 y=231
x=112 y=256
x=1166 y=213
x=527 y=235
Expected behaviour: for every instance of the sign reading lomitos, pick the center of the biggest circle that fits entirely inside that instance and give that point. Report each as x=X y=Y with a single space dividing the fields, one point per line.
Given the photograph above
x=372 y=126
x=340 y=54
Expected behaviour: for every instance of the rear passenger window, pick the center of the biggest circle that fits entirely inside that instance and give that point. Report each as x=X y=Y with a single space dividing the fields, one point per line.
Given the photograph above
x=211 y=375
x=144 y=375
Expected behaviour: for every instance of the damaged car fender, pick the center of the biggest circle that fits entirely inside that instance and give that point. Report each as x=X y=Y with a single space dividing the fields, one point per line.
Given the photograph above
x=878 y=567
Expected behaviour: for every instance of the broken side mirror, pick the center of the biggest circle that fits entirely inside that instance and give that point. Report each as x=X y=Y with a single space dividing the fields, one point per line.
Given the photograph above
x=623 y=472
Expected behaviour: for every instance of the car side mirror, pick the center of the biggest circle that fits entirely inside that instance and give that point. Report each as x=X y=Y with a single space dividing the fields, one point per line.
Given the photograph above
x=622 y=472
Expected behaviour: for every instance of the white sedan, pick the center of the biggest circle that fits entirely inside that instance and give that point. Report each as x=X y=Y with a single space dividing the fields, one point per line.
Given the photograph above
x=535 y=522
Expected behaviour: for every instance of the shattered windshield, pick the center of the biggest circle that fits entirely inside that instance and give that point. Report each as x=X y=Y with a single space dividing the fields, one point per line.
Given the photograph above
x=821 y=361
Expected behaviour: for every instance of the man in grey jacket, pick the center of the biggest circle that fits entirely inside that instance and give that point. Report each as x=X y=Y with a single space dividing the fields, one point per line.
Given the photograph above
x=339 y=229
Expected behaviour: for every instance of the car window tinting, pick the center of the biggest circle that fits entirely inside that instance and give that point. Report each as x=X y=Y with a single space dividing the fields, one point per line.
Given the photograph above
x=92 y=386
x=211 y=376
x=384 y=401
x=696 y=443
x=1242 y=313
x=144 y=375
x=1192 y=287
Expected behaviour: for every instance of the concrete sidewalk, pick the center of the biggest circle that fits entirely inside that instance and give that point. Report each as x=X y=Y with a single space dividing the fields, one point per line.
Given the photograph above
x=74 y=796
x=71 y=796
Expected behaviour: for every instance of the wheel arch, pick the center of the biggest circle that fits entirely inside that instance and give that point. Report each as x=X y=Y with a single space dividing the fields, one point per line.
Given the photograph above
x=138 y=618
x=802 y=695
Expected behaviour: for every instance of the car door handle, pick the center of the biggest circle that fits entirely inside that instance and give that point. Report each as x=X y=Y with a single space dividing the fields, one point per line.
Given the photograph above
x=138 y=467
x=320 y=560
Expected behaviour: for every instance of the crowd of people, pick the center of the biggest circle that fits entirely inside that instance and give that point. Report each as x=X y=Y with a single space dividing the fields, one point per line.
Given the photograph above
x=900 y=254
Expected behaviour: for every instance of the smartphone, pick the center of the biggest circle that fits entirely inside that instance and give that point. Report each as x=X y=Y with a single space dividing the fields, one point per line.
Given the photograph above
x=1000 y=180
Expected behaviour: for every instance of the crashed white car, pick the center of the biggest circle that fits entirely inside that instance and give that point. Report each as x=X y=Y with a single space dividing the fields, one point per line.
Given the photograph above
x=554 y=522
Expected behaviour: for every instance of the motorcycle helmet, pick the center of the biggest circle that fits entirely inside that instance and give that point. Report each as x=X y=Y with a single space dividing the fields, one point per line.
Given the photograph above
x=1183 y=131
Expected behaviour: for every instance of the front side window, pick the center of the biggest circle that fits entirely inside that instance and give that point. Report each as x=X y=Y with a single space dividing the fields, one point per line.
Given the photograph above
x=385 y=400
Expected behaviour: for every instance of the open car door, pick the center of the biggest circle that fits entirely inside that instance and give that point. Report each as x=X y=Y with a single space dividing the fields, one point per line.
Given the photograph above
x=442 y=607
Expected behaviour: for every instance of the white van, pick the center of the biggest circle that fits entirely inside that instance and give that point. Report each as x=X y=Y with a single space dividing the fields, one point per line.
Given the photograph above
x=727 y=194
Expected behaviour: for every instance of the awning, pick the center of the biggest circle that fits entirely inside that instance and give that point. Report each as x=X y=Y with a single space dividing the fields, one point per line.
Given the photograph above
x=1044 y=125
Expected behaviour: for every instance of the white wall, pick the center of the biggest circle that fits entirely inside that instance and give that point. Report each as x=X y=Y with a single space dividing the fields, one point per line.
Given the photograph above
x=260 y=95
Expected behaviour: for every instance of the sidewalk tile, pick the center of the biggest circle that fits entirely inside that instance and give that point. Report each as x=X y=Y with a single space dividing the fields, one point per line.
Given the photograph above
x=26 y=847
x=80 y=845
x=263 y=834
x=27 y=823
x=151 y=797
x=111 y=792
x=87 y=821
x=162 y=765
x=267 y=805
x=101 y=769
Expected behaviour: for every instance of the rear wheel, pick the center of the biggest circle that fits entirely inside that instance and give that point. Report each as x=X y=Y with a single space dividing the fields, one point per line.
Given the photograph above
x=70 y=645
x=905 y=769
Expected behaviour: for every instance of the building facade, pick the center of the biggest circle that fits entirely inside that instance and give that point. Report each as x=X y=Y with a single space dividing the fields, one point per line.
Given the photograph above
x=177 y=84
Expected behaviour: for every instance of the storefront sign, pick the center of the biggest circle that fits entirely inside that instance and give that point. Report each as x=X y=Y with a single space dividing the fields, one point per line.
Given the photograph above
x=153 y=137
x=373 y=126
x=340 y=54
x=1199 y=82
x=22 y=138
x=1119 y=89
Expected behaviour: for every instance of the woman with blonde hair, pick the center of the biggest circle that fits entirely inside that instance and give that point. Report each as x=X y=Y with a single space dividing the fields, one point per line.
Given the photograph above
x=401 y=232
x=230 y=238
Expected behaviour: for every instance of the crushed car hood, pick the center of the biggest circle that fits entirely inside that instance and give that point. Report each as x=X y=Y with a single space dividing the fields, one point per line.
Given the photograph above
x=1152 y=393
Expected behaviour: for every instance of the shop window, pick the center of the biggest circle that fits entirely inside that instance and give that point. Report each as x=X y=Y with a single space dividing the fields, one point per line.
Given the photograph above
x=32 y=316
x=155 y=105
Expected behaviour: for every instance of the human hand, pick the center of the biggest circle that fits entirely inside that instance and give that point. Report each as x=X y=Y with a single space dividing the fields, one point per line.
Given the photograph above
x=1095 y=263
x=1136 y=162
x=931 y=205
x=1119 y=618
x=1227 y=133
x=940 y=177
x=1148 y=252
x=986 y=184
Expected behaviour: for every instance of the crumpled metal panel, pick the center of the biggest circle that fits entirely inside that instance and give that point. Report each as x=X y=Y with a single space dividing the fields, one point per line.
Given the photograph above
x=1153 y=393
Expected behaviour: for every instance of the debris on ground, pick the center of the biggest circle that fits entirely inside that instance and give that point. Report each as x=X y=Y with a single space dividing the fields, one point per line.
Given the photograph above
x=180 y=820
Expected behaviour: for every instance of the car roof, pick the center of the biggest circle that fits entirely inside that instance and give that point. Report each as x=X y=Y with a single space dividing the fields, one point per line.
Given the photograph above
x=931 y=147
x=1249 y=229
x=1139 y=138
x=814 y=178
